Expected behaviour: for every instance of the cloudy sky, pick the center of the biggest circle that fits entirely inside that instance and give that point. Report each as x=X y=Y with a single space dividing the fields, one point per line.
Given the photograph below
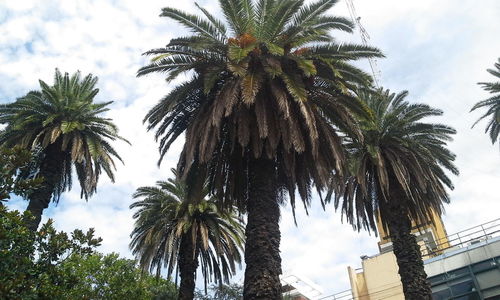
x=438 y=50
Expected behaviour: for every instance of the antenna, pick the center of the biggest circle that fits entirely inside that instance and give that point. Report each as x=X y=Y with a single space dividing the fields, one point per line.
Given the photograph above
x=365 y=37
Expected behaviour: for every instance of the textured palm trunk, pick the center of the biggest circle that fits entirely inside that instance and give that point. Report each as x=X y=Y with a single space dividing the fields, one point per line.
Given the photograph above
x=188 y=263
x=262 y=256
x=407 y=252
x=40 y=198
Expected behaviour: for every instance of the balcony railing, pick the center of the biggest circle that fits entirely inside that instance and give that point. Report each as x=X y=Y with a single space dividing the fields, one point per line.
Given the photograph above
x=344 y=295
x=463 y=238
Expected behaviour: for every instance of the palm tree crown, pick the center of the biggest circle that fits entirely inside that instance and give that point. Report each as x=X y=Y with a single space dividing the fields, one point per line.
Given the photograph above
x=270 y=88
x=64 y=124
x=269 y=82
x=398 y=172
x=164 y=220
x=398 y=152
x=492 y=103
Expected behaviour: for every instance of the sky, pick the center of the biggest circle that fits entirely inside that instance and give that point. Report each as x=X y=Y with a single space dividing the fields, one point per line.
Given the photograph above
x=437 y=50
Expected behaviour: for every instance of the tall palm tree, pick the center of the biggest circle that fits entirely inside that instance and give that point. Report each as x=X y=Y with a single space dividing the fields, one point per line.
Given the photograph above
x=170 y=231
x=63 y=124
x=398 y=171
x=492 y=103
x=269 y=89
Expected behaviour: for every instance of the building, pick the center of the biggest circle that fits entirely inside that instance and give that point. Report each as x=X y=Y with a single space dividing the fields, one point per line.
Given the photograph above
x=462 y=266
x=431 y=236
x=470 y=272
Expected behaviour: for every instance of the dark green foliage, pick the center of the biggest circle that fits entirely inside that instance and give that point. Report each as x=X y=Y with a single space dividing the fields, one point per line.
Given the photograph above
x=14 y=162
x=114 y=278
x=30 y=262
x=492 y=104
x=48 y=264
x=222 y=292
x=17 y=245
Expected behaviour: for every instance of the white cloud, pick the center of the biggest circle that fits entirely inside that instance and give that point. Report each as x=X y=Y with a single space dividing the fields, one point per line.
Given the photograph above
x=320 y=247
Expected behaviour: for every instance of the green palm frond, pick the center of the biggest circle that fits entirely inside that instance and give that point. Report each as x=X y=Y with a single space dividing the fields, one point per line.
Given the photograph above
x=492 y=104
x=306 y=18
x=345 y=51
x=348 y=73
x=398 y=152
x=263 y=12
x=164 y=218
x=195 y=23
x=198 y=43
x=173 y=63
x=277 y=85
x=327 y=23
x=282 y=14
x=222 y=30
x=65 y=115
x=235 y=13
x=310 y=12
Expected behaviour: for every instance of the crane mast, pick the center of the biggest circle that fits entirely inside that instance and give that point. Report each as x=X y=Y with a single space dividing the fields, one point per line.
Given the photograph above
x=365 y=38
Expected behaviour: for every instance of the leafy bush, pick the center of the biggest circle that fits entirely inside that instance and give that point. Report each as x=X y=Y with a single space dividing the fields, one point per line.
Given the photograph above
x=222 y=292
x=48 y=264
x=13 y=162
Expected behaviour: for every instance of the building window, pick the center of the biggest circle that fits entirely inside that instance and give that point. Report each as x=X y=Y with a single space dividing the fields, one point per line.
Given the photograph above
x=441 y=292
x=462 y=287
x=478 y=281
x=474 y=296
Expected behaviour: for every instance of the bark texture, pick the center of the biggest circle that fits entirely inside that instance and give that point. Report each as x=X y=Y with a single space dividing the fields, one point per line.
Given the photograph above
x=39 y=199
x=262 y=256
x=407 y=250
x=188 y=263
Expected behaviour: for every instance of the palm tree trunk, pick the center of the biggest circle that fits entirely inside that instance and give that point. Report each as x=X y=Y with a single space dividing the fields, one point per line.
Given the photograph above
x=262 y=257
x=188 y=263
x=39 y=199
x=407 y=252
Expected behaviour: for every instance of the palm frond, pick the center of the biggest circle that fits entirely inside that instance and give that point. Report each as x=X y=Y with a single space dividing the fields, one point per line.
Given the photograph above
x=195 y=23
x=398 y=155
x=167 y=223
x=63 y=121
x=493 y=105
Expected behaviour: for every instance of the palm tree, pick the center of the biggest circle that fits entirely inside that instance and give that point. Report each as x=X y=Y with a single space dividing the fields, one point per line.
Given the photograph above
x=269 y=90
x=170 y=231
x=398 y=172
x=63 y=125
x=492 y=103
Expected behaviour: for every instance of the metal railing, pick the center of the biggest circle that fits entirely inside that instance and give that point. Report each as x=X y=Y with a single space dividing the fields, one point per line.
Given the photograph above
x=463 y=238
x=344 y=295
x=299 y=286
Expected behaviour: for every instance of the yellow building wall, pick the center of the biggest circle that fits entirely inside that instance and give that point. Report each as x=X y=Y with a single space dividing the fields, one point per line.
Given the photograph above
x=437 y=228
x=358 y=284
x=378 y=280
x=441 y=234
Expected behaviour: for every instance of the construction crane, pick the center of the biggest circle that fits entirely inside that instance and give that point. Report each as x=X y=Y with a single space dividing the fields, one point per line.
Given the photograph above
x=365 y=37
